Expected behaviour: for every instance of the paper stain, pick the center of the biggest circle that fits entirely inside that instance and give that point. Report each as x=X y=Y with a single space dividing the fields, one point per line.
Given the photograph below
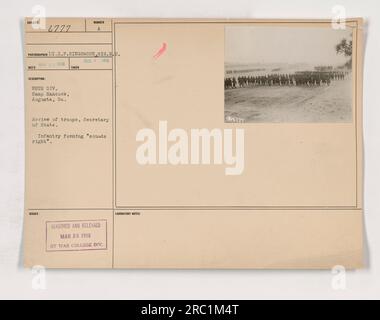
x=161 y=51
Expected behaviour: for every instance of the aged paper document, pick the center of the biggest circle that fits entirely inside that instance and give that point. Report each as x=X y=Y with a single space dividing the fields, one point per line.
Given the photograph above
x=232 y=144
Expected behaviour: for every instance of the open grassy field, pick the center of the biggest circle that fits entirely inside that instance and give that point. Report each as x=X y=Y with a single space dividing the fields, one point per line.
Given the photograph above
x=290 y=104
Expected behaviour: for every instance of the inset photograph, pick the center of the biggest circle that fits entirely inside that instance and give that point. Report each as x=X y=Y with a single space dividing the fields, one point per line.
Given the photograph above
x=287 y=74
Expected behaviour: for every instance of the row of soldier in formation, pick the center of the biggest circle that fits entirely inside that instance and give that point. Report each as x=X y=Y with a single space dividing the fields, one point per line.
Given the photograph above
x=314 y=78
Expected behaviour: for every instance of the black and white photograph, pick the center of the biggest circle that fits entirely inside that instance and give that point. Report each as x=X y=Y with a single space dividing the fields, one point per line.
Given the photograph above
x=288 y=74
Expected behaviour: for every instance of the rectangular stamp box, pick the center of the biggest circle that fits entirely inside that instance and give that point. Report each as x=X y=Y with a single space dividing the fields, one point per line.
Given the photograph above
x=76 y=235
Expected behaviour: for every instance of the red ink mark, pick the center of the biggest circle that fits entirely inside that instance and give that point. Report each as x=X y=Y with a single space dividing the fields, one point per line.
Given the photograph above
x=161 y=51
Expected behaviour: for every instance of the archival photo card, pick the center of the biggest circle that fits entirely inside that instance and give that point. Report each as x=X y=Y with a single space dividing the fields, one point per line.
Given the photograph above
x=134 y=160
x=288 y=74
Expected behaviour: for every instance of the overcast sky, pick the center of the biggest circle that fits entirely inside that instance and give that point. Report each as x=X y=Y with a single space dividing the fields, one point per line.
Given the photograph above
x=260 y=44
